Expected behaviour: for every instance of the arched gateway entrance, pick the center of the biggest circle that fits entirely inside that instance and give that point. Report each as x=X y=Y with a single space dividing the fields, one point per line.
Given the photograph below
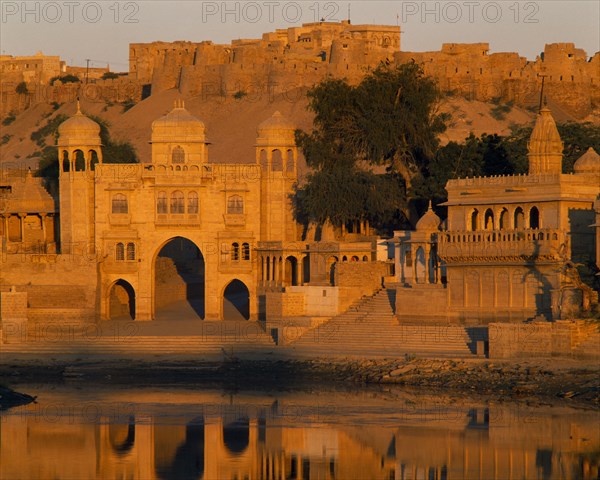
x=121 y=301
x=236 y=301
x=179 y=281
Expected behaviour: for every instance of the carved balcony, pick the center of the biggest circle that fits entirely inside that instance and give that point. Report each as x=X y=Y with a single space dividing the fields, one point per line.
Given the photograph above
x=522 y=245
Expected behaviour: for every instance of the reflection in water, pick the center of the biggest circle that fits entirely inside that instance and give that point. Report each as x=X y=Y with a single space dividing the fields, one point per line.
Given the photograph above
x=185 y=434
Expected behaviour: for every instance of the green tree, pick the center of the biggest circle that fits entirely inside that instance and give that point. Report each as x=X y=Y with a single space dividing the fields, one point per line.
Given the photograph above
x=389 y=120
x=576 y=137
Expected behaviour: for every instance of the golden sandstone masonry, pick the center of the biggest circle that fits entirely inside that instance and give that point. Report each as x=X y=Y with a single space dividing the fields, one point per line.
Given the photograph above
x=302 y=56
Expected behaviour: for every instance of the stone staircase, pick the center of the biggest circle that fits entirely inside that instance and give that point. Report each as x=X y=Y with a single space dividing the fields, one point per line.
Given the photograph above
x=369 y=328
x=228 y=338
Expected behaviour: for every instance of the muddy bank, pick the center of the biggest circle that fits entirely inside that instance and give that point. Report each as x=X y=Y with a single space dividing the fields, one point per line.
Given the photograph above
x=541 y=380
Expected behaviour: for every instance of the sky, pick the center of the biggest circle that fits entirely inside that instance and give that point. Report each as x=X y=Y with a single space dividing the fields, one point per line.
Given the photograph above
x=101 y=31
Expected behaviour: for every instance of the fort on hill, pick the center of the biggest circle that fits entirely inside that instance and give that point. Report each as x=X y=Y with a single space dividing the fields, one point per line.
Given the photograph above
x=302 y=56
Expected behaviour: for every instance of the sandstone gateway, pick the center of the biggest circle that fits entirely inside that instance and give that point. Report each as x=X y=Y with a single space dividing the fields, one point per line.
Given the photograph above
x=132 y=239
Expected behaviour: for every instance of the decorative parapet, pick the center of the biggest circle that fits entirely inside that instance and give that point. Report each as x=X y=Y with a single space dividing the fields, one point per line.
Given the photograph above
x=502 y=245
x=504 y=180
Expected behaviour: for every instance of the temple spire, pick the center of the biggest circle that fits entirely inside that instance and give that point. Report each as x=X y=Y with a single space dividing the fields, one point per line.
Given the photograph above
x=545 y=148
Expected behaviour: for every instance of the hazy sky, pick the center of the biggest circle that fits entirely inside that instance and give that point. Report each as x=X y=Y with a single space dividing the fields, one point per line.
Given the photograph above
x=102 y=30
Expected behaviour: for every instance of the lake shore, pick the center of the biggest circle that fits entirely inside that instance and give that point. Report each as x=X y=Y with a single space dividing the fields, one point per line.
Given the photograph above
x=544 y=380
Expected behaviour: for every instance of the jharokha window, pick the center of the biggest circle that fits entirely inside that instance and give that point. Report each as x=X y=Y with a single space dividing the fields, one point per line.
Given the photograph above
x=178 y=155
x=131 y=251
x=119 y=203
x=235 y=205
x=120 y=252
x=177 y=202
x=161 y=203
x=192 y=202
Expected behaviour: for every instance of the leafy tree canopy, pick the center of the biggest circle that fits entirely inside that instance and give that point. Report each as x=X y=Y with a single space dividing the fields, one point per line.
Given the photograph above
x=497 y=155
x=388 y=120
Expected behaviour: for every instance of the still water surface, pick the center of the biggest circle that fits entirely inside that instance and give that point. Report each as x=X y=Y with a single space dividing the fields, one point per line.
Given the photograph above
x=90 y=432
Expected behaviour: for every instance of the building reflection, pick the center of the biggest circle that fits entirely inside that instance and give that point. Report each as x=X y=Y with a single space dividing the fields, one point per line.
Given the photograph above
x=471 y=443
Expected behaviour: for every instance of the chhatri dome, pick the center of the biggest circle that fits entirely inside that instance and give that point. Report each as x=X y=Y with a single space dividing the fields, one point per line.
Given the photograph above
x=545 y=148
x=78 y=130
x=429 y=222
x=178 y=126
x=589 y=162
x=276 y=130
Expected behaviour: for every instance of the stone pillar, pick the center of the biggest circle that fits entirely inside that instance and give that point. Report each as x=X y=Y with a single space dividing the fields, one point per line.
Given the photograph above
x=13 y=316
x=282 y=265
x=5 y=221
x=299 y=271
x=43 y=217
x=428 y=265
x=22 y=225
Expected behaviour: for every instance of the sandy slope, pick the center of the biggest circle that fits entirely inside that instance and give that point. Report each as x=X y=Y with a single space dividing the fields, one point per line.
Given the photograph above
x=231 y=124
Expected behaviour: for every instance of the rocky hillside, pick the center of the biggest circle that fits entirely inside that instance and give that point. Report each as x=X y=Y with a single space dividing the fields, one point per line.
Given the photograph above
x=231 y=124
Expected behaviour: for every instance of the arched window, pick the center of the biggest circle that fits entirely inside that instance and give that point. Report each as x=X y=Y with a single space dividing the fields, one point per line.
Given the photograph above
x=489 y=219
x=235 y=251
x=161 y=203
x=245 y=251
x=235 y=205
x=344 y=258
x=79 y=161
x=504 y=219
x=131 y=251
x=475 y=220
x=192 y=202
x=365 y=258
x=177 y=202
x=534 y=218
x=354 y=258
x=264 y=163
x=119 y=203
x=65 y=163
x=290 y=161
x=120 y=252
x=93 y=159
x=519 y=218
x=178 y=155
x=276 y=161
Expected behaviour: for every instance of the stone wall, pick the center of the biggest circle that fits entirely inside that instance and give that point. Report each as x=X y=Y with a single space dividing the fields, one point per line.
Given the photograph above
x=285 y=304
x=102 y=91
x=560 y=338
x=13 y=316
x=59 y=288
x=422 y=303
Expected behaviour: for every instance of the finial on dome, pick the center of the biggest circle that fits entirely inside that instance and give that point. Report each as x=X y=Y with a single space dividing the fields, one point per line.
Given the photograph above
x=429 y=208
x=78 y=108
x=178 y=103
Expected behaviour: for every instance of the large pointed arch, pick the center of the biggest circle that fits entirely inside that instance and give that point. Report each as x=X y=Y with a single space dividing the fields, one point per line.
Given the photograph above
x=178 y=280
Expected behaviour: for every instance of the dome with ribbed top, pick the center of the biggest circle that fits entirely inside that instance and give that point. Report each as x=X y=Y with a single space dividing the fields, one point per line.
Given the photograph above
x=429 y=222
x=78 y=130
x=276 y=130
x=178 y=125
x=589 y=162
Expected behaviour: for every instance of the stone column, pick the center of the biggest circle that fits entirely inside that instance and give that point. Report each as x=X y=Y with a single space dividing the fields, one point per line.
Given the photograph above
x=43 y=217
x=299 y=271
x=22 y=225
x=5 y=222
x=428 y=263
x=283 y=277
